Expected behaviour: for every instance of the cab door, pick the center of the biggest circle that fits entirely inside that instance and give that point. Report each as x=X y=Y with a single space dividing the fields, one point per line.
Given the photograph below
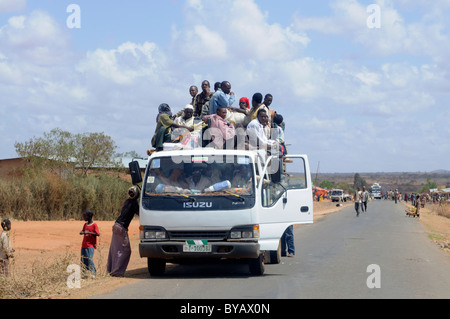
x=286 y=198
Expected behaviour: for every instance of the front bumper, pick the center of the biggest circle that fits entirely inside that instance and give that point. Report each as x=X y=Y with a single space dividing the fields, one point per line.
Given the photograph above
x=174 y=250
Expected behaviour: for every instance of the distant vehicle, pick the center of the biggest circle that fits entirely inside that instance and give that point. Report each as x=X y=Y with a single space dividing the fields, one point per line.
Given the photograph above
x=339 y=195
x=376 y=191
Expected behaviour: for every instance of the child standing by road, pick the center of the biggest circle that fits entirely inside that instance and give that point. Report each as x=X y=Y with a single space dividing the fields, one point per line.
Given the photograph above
x=6 y=252
x=90 y=232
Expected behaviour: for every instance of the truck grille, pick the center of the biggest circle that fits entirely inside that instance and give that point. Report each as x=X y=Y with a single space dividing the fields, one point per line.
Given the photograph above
x=211 y=235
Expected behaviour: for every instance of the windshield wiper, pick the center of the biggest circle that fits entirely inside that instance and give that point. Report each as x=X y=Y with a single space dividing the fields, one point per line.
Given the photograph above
x=230 y=195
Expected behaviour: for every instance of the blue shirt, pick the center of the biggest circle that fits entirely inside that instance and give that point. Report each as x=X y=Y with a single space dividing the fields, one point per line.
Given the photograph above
x=220 y=99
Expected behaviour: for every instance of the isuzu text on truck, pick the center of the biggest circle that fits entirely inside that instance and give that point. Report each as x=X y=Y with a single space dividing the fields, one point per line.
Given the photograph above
x=220 y=204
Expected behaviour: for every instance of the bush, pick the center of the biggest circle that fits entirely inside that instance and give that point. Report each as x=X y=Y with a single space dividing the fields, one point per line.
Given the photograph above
x=443 y=209
x=50 y=197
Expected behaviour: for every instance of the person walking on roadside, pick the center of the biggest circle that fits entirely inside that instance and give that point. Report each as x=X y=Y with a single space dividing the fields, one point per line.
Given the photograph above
x=365 y=199
x=417 y=205
x=120 y=249
x=358 y=200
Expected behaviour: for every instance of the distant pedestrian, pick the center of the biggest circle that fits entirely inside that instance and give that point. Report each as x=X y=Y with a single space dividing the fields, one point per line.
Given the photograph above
x=6 y=251
x=365 y=199
x=120 y=249
x=287 y=242
x=417 y=205
x=358 y=200
x=90 y=233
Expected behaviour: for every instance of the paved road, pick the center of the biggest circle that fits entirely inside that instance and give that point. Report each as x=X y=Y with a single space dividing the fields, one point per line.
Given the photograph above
x=332 y=260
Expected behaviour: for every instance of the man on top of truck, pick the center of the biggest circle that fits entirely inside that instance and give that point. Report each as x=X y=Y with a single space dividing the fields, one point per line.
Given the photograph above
x=257 y=131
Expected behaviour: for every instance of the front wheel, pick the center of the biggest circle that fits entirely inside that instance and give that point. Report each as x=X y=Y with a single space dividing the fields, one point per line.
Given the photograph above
x=274 y=256
x=256 y=266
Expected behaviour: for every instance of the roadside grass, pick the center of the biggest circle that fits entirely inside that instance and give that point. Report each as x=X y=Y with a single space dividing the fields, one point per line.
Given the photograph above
x=45 y=279
x=50 y=197
x=442 y=209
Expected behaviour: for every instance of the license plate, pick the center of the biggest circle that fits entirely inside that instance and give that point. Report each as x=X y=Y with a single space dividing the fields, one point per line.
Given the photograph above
x=197 y=246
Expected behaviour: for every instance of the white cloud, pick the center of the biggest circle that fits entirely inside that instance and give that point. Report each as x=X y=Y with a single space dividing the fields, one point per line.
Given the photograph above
x=130 y=61
x=326 y=101
x=199 y=42
x=12 y=5
x=37 y=39
x=425 y=37
x=235 y=30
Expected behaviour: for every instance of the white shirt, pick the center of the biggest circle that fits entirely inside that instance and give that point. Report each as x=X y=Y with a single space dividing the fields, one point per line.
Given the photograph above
x=257 y=135
x=5 y=245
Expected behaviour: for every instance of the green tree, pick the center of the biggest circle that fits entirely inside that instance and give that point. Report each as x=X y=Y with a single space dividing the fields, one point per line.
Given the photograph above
x=63 y=151
x=94 y=150
x=428 y=185
x=358 y=181
x=326 y=184
x=53 y=151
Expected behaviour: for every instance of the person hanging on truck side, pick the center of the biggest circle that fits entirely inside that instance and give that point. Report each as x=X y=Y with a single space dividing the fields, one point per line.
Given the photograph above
x=164 y=125
x=257 y=133
x=120 y=249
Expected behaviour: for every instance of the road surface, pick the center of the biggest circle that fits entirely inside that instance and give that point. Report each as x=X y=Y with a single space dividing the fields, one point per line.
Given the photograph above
x=380 y=254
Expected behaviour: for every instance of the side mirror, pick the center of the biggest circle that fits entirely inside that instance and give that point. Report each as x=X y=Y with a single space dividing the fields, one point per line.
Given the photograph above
x=135 y=172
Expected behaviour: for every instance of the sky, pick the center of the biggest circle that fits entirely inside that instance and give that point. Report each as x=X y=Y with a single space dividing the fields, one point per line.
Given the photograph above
x=363 y=86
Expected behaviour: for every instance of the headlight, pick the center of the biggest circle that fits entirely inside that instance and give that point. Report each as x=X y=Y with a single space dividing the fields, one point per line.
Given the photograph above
x=155 y=233
x=245 y=232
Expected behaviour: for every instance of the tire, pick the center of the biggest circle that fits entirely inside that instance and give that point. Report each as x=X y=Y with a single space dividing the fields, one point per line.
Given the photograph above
x=156 y=267
x=256 y=266
x=275 y=255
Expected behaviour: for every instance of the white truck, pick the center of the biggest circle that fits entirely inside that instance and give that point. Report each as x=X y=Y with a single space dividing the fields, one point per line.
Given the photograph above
x=375 y=189
x=183 y=216
x=338 y=195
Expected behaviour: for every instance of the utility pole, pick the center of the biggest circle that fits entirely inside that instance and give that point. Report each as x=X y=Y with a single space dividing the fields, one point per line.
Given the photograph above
x=317 y=175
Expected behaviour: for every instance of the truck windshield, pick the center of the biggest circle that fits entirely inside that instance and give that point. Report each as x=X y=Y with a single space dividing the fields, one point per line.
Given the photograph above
x=199 y=182
x=336 y=193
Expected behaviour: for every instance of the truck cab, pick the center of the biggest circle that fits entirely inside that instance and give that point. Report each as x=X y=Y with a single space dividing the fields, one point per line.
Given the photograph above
x=338 y=195
x=220 y=204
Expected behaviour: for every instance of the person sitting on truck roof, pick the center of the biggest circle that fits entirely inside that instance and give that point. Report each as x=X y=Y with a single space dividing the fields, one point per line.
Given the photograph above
x=220 y=130
x=203 y=98
x=187 y=119
x=193 y=91
x=257 y=105
x=257 y=133
x=240 y=117
x=277 y=132
x=222 y=97
x=164 y=124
